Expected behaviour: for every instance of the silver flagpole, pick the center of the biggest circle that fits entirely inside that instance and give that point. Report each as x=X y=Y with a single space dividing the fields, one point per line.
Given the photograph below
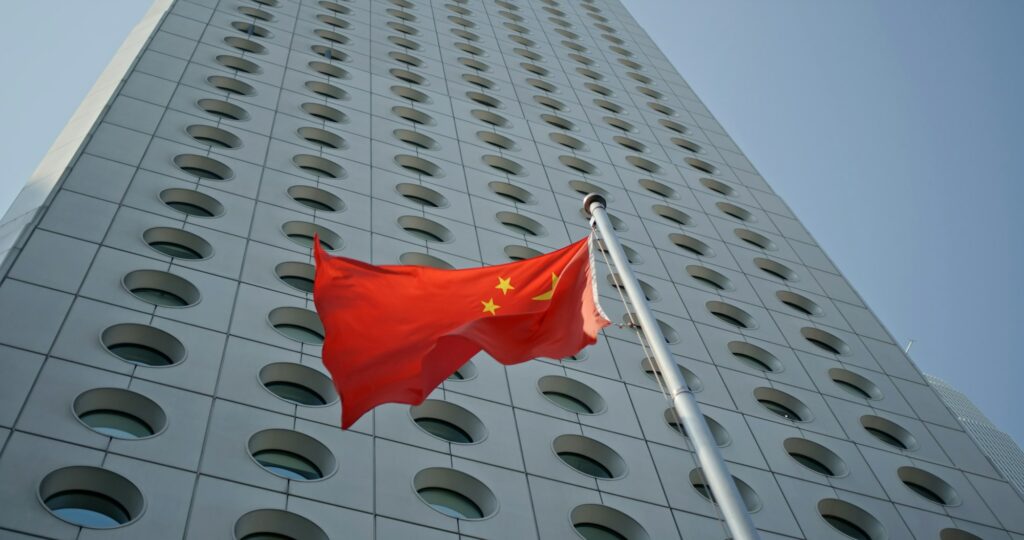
x=715 y=472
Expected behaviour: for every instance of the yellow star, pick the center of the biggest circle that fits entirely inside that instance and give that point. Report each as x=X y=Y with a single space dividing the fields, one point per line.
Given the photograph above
x=549 y=294
x=504 y=284
x=490 y=306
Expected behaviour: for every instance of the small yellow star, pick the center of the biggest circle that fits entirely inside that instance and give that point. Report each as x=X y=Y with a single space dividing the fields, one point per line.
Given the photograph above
x=490 y=306
x=504 y=284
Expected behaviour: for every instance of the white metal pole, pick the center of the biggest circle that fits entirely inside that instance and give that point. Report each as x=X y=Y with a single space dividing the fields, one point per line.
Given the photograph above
x=716 y=474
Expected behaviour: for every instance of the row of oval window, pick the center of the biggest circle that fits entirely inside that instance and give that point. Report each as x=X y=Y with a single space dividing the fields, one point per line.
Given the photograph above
x=169 y=290
x=331 y=70
x=99 y=498
x=583 y=166
x=252 y=30
x=413 y=78
x=149 y=346
x=636 y=145
x=166 y=289
x=205 y=167
x=321 y=166
x=629 y=143
x=182 y=244
x=74 y=494
x=208 y=168
x=420 y=166
x=125 y=414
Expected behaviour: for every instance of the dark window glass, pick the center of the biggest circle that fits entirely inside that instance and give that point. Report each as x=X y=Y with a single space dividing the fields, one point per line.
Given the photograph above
x=176 y=250
x=300 y=283
x=315 y=205
x=852 y=389
x=780 y=409
x=140 y=354
x=568 y=402
x=752 y=362
x=88 y=509
x=296 y=393
x=420 y=200
x=116 y=424
x=585 y=464
x=798 y=307
x=159 y=297
x=424 y=235
x=451 y=503
x=190 y=209
x=302 y=240
x=444 y=430
x=729 y=319
x=704 y=491
x=708 y=282
x=593 y=531
x=519 y=229
x=203 y=173
x=847 y=528
x=288 y=465
x=300 y=333
x=812 y=464
x=886 y=438
x=824 y=346
x=925 y=492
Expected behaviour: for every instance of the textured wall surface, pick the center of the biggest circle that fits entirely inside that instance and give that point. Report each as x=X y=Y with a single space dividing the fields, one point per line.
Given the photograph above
x=999 y=447
x=442 y=133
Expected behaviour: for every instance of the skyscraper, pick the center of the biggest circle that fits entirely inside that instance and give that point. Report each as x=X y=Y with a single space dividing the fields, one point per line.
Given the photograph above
x=161 y=371
x=999 y=447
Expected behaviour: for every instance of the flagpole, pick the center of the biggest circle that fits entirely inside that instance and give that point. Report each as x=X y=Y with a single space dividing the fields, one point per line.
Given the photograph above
x=712 y=465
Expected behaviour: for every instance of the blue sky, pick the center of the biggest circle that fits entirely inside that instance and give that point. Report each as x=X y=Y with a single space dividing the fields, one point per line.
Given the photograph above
x=894 y=130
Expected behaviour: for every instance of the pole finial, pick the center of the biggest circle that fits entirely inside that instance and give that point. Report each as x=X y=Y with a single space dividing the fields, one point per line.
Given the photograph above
x=592 y=199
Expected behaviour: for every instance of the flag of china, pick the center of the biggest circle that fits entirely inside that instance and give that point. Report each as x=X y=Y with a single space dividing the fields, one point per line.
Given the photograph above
x=394 y=333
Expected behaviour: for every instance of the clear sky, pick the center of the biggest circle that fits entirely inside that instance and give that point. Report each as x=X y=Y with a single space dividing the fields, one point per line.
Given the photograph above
x=894 y=130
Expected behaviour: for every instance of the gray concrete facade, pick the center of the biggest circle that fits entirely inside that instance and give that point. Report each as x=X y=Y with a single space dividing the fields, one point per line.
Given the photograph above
x=453 y=133
x=1000 y=448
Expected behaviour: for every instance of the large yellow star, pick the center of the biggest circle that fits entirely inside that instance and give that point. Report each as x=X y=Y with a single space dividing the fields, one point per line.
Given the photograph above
x=550 y=293
x=504 y=284
x=490 y=306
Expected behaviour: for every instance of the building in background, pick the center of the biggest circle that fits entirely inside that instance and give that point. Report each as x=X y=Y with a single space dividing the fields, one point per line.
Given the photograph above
x=1000 y=448
x=160 y=359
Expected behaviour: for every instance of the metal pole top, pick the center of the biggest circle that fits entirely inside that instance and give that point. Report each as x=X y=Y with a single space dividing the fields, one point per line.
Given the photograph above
x=591 y=199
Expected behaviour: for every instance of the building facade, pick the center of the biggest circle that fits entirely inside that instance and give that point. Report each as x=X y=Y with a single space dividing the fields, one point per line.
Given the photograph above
x=161 y=361
x=999 y=447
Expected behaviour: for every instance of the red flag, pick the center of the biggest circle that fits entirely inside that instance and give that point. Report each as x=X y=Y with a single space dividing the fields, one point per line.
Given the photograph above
x=394 y=333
